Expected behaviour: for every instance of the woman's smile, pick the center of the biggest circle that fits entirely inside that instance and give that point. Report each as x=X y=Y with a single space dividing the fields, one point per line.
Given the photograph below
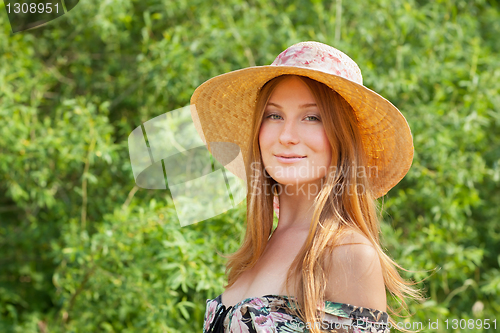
x=289 y=158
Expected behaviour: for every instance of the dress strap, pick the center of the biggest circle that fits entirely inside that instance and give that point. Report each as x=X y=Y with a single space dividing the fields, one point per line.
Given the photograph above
x=217 y=325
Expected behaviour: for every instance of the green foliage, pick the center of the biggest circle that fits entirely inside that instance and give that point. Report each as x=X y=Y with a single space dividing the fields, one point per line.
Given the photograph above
x=84 y=250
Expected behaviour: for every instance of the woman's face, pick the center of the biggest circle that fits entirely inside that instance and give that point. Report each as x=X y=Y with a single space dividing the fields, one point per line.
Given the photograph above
x=293 y=143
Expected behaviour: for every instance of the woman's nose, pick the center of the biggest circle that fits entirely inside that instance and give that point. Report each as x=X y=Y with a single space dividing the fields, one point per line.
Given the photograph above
x=289 y=134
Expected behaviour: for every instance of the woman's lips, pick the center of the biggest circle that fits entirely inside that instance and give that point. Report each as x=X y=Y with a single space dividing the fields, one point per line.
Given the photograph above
x=291 y=159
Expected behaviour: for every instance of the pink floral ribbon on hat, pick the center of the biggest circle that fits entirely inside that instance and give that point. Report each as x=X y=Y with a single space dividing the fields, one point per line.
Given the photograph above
x=315 y=55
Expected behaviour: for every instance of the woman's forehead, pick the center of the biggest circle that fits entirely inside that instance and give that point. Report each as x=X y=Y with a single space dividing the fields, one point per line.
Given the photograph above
x=292 y=90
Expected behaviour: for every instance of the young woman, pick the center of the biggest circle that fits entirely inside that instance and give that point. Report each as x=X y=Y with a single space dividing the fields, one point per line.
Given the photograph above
x=323 y=147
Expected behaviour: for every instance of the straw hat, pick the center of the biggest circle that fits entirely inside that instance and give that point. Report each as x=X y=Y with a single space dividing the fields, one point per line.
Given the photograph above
x=222 y=109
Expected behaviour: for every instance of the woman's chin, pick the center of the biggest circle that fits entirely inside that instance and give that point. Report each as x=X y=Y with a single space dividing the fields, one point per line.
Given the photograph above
x=303 y=185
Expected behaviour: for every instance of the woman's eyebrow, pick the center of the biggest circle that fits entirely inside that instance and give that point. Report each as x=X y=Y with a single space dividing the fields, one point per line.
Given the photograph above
x=303 y=106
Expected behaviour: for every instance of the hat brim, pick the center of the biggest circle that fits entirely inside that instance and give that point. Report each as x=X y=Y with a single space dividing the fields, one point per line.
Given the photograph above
x=222 y=110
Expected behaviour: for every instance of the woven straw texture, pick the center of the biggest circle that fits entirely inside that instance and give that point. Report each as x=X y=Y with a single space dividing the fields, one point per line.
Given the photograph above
x=222 y=109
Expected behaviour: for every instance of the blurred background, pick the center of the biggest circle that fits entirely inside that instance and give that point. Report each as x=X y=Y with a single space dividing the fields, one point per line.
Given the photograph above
x=83 y=249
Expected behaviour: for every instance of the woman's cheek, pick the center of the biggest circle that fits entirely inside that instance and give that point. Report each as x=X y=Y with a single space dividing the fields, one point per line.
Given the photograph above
x=265 y=138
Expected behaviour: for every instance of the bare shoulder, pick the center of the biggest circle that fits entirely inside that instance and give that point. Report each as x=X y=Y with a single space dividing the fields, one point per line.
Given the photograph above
x=355 y=274
x=354 y=246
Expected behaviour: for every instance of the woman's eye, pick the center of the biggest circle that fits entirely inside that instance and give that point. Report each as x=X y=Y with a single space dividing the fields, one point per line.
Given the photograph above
x=274 y=116
x=312 y=118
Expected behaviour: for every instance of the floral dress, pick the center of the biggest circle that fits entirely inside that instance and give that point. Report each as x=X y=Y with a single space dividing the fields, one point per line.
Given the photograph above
x=272 y=314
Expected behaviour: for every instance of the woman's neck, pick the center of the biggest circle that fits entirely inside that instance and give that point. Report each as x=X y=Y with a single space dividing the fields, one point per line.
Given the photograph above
x=296 y=205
